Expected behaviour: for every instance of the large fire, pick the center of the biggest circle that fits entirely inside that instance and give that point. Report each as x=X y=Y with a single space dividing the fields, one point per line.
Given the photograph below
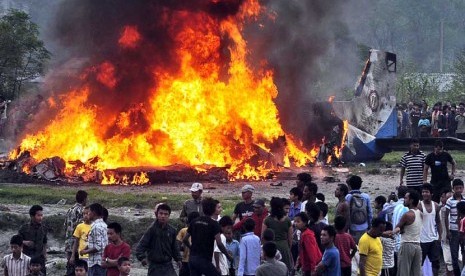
x=193 y=116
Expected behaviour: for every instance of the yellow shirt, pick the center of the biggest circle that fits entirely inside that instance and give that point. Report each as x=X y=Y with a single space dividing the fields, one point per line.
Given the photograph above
x=81 y=232
x=373 y=250
x=185 y=254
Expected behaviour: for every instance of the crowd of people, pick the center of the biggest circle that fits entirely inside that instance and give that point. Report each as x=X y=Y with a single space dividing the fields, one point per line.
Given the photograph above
x=415 y=120
x=403 y=233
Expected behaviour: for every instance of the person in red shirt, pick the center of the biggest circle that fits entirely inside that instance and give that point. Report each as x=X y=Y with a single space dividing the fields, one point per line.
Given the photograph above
x=345 y=244
x=259 y=215
x=115 y=249
x=309 y=253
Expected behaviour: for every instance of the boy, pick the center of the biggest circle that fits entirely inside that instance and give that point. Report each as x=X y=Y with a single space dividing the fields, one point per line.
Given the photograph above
x=184 y=270
x=379 y=204
x=461 y=216
x=80 y=268
x=80 y=237
x=295 y=196
x=445 y=195
x=268 y=236
x=345 y=244
x=323 y=212
x=309 y=253
x=330 y=265
x=233 y=249
x=219 y=260
x=124 y=266
x=271 y=266
x=389 y=245
x=452 y=228
x=16 y=263
x=115 y=249
x=250 y=249
x=35 y=267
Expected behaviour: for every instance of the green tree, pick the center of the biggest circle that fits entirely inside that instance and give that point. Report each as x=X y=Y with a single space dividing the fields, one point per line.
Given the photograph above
x=457 y=91
x=22 y=53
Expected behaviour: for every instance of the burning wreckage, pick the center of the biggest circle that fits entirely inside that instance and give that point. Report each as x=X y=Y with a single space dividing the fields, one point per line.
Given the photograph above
x=188 y=123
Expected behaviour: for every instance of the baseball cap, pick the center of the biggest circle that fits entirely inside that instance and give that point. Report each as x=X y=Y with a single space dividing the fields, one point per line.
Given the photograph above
x=259 y=202
x=196 y=187
x=247 y=188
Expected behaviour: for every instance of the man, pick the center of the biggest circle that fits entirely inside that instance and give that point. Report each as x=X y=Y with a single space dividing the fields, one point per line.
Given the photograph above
x=97 y=240
x=452 y=222
x=16 y=263
x=330 y=264
x=74 y=216
x=34 y=236
x=371 y=249
x=397 y=213
x=409 y=257
x=194 y=204
x=244 y=209
x=271 y=266
x=415 y=118
x=158 y=246
x=412 y=162
x=460 y=121
x=259 y=215
x=342 y=207
x=431 y=229
x=360 y=208
x=115 y=249
x=303 y=178
x=445 y=244
x=309 y=194
x=437 y=161
x=295 y=197
x=203 y=231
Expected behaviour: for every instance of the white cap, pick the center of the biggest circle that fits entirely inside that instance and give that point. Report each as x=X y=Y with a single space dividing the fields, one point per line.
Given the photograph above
x=196 y=187
x=248 y=188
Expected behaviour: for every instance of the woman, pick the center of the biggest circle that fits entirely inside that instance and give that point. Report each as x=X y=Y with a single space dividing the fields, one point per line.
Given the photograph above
x=282 y=228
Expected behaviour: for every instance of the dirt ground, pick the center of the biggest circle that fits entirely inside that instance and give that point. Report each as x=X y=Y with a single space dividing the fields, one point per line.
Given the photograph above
x=376 y=181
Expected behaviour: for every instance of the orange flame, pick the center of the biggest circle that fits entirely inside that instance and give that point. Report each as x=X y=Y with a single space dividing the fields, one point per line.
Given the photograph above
x=130 y=37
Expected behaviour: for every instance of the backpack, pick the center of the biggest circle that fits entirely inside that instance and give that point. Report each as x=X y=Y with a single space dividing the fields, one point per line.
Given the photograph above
x=358 y=209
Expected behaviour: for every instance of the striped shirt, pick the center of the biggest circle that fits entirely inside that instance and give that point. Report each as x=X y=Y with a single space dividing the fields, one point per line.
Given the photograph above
x=451 y=204
x=413 y=163
x=97 y=239
x=16 y=267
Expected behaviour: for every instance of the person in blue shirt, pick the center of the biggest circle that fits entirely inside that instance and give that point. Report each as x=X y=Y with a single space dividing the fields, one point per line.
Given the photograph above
x=295 y=197
x=330 y=264
x=359 y=219
x=233 y=248
x=249 y=250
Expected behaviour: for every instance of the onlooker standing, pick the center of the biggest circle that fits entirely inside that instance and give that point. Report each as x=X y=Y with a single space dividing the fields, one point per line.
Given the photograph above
x=249 y=250
x=115 y=249
x=219 y=259
x=204 y=231
x=445 y=195
x=342 y=207
x=16 y=263
x=295 y=196
x=74 y=216
x=431 y=229
x=244 y=209
x=158 y=246
x=271 y=266
x=399 y=211
x=437 y=161
x=309 y=253
x=360 y=208
x=34 y=236
x=97 y=240
x=282 y=227
x=424 y=126
x=35 y=267
x=389 y=245
x=309 y=194
x=303 y=178
x=460 y=120
x=124 y=266
x=194 y=204
x=330 y=264
x=413 y=162
x=233 y=248
x=452 y=225
x=259 y=215
x=409 y=259
x=371 y=250
x=345 y=244
x=80 y=238
x=184 y=270
x=415 y=116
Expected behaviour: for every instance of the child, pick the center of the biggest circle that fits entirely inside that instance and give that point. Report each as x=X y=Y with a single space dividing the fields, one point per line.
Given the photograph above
x=461 y=217
x=268 y=236
x=233 y=249
x=219 y=259
x=124 y=266
x=452 y=226
x=80 y=268
x=379 y=205
x=249 y=250
x=80 y=237
x=295 y=197
x=184 y=270
x=445 y=195
x=309 y=253
x=320 y=197
x=323 y=212
x=345 y=244
x=389 y=244
x=36 y=266
x=16 y=263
